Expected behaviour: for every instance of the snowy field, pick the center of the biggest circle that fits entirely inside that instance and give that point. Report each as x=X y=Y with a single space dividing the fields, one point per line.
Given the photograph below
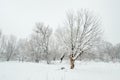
x=42 y=71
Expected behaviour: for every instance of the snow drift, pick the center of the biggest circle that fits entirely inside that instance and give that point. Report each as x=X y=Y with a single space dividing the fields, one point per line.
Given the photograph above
x=43 y=71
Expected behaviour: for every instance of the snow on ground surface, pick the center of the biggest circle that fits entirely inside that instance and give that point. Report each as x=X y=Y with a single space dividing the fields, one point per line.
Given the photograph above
x=43 y=71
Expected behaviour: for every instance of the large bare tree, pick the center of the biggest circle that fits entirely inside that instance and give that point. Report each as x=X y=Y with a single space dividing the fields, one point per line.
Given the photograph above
x=80 y=33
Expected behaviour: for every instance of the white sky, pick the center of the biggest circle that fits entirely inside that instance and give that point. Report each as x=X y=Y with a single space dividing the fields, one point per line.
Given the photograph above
x=18 y=17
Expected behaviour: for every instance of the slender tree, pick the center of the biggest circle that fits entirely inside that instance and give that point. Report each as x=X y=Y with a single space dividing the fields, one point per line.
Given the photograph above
x=40 y=41
x=10 y=48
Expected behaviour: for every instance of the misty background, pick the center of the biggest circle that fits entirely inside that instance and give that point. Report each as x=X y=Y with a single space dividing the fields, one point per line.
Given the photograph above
x=18 y=17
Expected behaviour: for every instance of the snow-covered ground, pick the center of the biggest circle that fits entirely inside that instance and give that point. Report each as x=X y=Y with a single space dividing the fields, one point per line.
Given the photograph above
x=43 y=71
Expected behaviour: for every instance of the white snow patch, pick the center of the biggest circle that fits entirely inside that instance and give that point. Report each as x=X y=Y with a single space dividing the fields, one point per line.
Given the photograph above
x=42 y=71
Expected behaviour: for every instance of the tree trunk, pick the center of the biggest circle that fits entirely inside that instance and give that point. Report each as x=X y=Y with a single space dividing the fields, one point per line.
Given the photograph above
x=62 y=58
x=37 y=60
x=8 y=59
x=71 y=62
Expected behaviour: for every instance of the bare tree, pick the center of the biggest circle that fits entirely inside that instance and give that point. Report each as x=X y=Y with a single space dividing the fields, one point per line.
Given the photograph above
x=22 y=50
x=0 y=33
x=2 y=44
x=117 y=52
x=40 y=41
x=54 y=48
x=80 y=33
x=105 y=51
x=10 y=48
x=35 y=47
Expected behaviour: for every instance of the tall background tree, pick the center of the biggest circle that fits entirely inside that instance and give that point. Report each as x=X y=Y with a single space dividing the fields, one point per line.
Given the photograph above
x=10 y=49
x=39 y=42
